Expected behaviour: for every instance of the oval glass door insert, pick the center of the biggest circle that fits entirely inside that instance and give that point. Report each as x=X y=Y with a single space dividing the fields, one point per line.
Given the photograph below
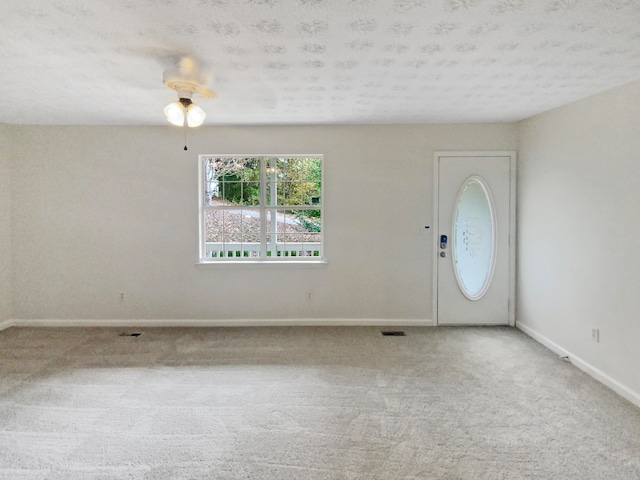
x=474 y=238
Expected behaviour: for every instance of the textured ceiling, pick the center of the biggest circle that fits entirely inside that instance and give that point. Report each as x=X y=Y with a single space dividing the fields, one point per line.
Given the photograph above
x=313 y=61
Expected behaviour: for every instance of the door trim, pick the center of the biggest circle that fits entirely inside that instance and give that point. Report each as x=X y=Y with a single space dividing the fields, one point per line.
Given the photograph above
x=437 y=155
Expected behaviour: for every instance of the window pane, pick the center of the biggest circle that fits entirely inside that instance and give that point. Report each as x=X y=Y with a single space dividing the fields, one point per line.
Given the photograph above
x=278 y=166
x=249 y=225
x=211 y=193
x=310 y=221
x=313 y=169
x=287 y=222
x=309 y=193
x=275 y=222
x=283 y=192
x=213 y=220
x=271 y=189
x=230 y=230
x=291 y=168
x=250 y=193
x=251 y=170
x=231 y=191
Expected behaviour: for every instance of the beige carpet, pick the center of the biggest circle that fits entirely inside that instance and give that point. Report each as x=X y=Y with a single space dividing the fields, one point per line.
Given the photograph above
x=304 y=403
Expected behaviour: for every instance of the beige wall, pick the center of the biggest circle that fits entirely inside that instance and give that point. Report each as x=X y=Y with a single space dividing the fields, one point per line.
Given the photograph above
x=97 y=211
x=579 y=232
x=104 y=210
x=5 y=223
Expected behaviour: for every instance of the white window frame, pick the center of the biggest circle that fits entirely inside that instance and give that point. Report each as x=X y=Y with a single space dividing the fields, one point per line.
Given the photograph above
x=263 y=208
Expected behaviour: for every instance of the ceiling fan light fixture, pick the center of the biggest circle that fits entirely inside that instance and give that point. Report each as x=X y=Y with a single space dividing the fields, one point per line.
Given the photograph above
x=176 y=111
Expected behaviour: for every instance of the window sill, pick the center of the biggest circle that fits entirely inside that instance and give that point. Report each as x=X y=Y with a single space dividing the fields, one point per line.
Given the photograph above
x=307 y=263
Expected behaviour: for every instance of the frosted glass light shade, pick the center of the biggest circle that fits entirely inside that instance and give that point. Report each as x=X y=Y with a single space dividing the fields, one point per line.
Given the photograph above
x=175 y=113
x=195 y=115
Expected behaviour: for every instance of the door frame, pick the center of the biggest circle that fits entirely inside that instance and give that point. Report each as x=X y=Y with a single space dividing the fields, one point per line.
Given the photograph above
x=437 y=155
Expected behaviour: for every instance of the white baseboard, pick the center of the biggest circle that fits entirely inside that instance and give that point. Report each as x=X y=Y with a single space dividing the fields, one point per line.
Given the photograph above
x=304 y=322
x=4 y=324
x=612 y=383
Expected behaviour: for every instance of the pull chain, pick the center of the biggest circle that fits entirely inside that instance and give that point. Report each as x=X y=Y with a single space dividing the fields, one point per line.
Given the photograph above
x=185 y=129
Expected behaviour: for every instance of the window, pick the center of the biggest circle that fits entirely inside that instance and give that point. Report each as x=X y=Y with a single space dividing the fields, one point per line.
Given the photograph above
x=260 y=208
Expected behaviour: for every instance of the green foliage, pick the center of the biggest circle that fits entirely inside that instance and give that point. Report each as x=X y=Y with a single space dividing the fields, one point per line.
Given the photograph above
x=299 y=181
x=235 y=190
x=243 y=186
x=306 y=223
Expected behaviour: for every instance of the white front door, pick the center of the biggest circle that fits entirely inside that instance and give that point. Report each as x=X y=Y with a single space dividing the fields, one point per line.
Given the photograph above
x=475 y=225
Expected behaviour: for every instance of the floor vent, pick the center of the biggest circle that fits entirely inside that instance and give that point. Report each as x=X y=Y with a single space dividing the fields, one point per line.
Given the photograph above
x=132 y=334
x=394 y=333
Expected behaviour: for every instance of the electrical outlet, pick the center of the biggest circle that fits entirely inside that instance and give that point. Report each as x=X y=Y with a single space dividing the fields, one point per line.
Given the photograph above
x=595 y=335
x=309 y=295
x=122 y=296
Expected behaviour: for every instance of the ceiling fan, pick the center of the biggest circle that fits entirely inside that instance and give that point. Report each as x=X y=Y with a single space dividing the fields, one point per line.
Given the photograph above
x=190 y=82
x=191 y=77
